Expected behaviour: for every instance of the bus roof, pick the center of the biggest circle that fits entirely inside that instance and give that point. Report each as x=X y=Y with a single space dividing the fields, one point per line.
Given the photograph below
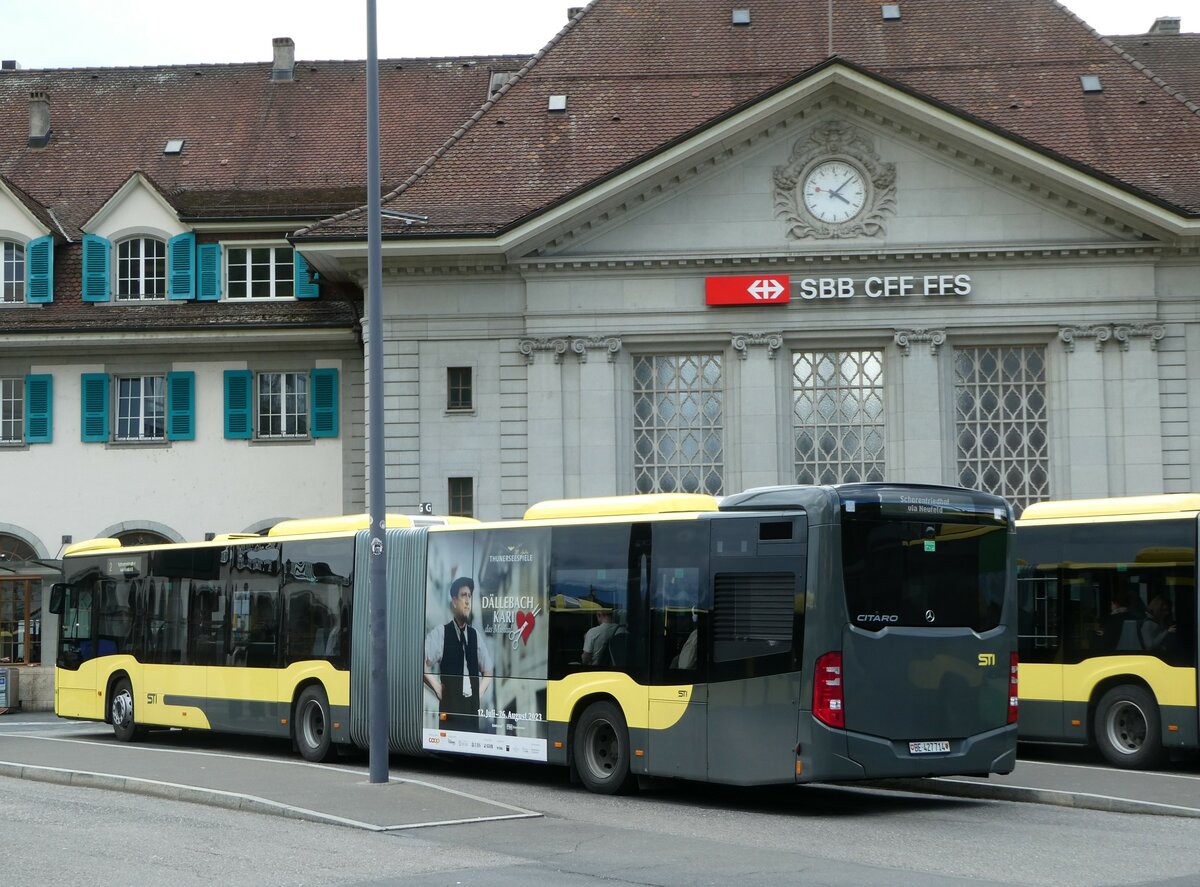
x=344 y=523
x=1171 y=504
x=610 y=506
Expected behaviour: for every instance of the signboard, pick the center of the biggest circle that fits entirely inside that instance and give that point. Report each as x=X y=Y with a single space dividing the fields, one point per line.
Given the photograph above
x=777 y=289
x=487 y=643
x=762 y=289
x=425 y=508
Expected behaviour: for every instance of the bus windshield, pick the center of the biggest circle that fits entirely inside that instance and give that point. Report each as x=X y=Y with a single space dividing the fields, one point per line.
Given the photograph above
x=946 y=570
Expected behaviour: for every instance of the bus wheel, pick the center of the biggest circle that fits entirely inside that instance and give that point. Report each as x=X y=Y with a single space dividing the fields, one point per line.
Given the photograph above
x=1127 y=728
x=601 y=749
x=120 y=707
x=310 y=725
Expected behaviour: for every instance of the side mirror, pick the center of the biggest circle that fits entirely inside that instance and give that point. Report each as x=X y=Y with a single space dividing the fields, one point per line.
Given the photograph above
x=58 y=598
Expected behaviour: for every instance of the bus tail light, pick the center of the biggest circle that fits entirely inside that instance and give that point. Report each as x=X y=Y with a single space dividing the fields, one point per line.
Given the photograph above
x=827 y=691
x=1012 y=688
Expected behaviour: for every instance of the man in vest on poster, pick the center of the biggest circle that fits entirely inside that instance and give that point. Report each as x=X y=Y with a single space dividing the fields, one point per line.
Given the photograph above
x=458 y=668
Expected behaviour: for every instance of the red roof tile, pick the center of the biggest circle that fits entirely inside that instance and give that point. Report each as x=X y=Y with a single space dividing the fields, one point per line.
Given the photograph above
x=641 y=73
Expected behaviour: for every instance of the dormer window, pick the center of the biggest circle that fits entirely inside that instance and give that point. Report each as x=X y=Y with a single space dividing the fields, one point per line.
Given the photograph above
x=141 y=269
x=261 y=272
x=12 y=272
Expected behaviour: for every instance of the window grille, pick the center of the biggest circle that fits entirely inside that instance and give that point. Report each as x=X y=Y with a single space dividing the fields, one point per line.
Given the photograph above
x=837 y=415
x=678 y=424
x=1001 y=422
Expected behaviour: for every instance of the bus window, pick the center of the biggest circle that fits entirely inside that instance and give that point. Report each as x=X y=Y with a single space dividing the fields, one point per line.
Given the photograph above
x=917 y=573
x=594 y=599
x=317 y=579
x=166 y=621
x=253 y=578
x=680 y=602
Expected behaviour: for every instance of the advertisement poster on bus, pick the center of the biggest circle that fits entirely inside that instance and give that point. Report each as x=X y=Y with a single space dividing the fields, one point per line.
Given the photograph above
x=487 y=642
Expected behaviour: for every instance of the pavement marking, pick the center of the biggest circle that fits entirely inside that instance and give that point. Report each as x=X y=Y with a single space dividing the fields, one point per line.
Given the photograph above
x=1057 y=797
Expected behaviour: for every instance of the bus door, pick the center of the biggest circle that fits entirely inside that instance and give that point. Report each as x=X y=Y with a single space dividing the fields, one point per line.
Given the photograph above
x=1040 y=645
x=680 y=601
x=926 y=655
x=74 y=680
x=171 y=683
x=758 y=581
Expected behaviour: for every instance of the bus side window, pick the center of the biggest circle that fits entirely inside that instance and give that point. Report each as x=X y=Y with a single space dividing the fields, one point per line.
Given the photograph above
x=680 y=602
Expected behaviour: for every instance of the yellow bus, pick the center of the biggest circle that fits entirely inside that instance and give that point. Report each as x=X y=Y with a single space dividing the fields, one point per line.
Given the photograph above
x=783 y=634
x=1107 y=593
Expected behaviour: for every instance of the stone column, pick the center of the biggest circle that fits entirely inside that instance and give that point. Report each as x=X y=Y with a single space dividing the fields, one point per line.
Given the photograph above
x=1083 y=436
x=597 y=414
x=920 y=432
x=755 y=430
x=545 y=424
x=1136 y=426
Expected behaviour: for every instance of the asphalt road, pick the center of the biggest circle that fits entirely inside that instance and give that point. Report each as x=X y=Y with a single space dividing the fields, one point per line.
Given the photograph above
x=676 y=833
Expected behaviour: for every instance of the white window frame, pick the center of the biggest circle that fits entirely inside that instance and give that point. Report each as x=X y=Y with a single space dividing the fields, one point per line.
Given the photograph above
x=286 y=413
x=148 y=407
x=12 y=410
x=138 y=270
x=275 y=281
x=12 y=272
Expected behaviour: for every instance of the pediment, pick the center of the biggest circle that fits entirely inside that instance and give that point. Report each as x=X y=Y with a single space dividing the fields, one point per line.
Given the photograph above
x=926 y=189
x=17 y=221
x=137 y=207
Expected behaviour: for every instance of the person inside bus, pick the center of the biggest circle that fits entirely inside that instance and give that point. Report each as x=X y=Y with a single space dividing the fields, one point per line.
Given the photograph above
x=1119 y=629
x=458 y=668
x=596 y=653
x=1158 y=629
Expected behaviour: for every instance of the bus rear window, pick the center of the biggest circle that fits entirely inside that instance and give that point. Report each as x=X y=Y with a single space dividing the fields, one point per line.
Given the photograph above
x=917 y=573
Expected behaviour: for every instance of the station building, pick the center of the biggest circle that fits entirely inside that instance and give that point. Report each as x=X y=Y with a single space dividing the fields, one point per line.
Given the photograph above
x=685 y=246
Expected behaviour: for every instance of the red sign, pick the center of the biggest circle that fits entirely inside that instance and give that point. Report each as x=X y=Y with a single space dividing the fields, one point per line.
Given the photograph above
x=755 y=290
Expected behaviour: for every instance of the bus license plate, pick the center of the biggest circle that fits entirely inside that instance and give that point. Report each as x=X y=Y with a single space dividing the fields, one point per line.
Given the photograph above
x=938 y=747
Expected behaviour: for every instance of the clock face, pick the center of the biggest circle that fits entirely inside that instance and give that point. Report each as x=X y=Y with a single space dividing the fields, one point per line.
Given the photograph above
x=834 y=191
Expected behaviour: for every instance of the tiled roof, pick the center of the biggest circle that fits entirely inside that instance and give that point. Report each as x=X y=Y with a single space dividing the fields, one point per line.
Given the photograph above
x=641 y=73
x=1175 y=58
x=253 y=147
x=289 y=152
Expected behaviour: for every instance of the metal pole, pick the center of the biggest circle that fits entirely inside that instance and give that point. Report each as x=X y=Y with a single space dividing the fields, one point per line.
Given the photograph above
x=377 y=579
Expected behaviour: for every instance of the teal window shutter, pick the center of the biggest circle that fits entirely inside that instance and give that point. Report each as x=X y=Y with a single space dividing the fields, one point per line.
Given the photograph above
x=95 y=268
x=181 y=406
x=237 y=405
x=181 y=266
x=94 y=405
x=39 y=409
x=208 y=275
x=324 y=385
x=306 y=284
x=39 y=270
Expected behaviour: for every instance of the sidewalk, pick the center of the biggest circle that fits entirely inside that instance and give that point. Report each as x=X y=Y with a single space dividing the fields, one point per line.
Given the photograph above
x=282 y=786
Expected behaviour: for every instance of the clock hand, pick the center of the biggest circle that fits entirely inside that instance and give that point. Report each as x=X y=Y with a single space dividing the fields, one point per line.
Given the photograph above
x=838 y=196
x=837 y=191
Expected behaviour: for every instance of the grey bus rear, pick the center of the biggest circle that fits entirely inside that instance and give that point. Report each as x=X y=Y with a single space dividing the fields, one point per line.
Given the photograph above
x=907 y=660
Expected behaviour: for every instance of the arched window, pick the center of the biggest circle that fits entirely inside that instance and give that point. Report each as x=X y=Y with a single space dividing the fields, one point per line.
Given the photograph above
x=12 y=271
x=141 y=269
x=13 y=549
x=142 y=537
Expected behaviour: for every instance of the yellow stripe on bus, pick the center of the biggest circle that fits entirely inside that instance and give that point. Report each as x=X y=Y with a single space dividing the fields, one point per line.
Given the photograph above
x=1077 y=683
x=634 y=698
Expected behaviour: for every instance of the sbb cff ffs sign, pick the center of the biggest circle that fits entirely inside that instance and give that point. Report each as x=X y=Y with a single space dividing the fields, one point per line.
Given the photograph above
x=759 y=289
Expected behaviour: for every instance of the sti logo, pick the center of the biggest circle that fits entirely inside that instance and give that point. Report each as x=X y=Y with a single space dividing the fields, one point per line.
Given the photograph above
x=749 y=290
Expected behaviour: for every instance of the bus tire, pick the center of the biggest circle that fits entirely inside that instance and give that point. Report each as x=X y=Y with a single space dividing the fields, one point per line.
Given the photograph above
x=601 y=749
x=311 y=725
x=1127 y=729
x=120 y=710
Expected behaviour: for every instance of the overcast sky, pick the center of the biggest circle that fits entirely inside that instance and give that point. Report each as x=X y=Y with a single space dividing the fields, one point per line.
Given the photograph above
x=87 y=33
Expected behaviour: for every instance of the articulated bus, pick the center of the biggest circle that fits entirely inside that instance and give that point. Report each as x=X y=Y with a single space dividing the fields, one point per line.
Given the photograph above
x=780 y=635
x=1107 y=593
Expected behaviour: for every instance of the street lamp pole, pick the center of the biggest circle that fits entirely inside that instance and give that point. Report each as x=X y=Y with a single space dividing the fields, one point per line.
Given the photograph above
x=377 y=576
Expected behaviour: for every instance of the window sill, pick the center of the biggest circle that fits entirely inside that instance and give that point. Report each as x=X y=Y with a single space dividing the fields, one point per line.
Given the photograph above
x=269 y=441
x=466 y=412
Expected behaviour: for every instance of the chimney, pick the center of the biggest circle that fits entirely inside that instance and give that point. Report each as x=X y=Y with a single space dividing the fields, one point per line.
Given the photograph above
x=573 y=11
x=1165 y=25
x=10 y=65
x=285 y=58
x=39 y=119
